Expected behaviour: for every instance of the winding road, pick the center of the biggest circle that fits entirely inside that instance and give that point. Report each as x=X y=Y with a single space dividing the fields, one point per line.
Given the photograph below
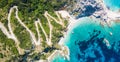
x=36 y=41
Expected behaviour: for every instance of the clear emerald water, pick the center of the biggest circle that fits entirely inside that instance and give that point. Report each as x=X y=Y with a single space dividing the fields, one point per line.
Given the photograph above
x=59 y=58
x=114 y=5
x=87 y=44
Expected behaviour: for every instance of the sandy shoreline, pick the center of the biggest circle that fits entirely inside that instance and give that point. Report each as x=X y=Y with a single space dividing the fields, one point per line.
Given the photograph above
x=112 y=16
x=71 y=23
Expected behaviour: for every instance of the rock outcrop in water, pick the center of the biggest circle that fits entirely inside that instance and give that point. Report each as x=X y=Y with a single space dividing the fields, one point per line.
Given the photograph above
x=88 y=8
x=83 y=8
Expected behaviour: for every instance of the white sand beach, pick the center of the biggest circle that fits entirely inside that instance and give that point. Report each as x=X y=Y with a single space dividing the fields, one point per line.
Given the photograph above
x=72 y=22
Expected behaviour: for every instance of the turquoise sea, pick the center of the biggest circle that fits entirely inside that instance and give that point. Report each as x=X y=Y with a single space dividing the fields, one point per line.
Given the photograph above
x=114 y=5
x=86 y=42
x=59 y=58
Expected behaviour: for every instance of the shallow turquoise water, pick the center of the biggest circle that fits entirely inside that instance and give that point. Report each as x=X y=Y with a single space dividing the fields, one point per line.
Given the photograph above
x=59 y=58
x=86 y=43
x=114 y=5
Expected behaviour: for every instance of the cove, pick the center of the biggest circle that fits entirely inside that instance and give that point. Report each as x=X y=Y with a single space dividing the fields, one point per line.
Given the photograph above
x=86 y=42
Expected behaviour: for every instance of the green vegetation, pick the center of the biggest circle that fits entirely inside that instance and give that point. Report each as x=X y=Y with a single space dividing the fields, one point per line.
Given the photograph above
x=23 y=36
x=7 y=44
x=21 y=33
x=43 y=56
x=5 y=2
x=14 y=51
x=57 y=32
x=1 y=55
x=42 y=35
x=29 y=11
x=44 y=23
x=52 y=13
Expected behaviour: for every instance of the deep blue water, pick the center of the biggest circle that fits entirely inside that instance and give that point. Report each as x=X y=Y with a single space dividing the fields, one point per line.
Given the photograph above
x=87 y=44
x=113 y=5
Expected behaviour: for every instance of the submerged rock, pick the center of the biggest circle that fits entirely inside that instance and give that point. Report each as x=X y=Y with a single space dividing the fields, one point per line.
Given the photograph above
x=94 y=49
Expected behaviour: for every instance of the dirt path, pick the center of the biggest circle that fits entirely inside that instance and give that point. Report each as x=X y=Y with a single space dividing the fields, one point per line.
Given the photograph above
x=59 y=22
x=51 y=27
x=38 y=32
x=32 y=35
x=4 y=30
x=43 y=30
x=10 y=27
x=10 y=34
